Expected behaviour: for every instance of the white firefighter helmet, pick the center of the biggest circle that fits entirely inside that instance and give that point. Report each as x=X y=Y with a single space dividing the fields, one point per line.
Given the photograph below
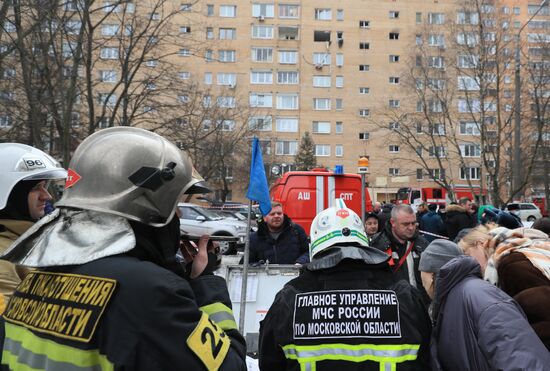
x=336 y=225
x=129 y=172
x=22 y=162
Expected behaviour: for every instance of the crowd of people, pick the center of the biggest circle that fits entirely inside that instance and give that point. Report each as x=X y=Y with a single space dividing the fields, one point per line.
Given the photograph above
x=95 y=284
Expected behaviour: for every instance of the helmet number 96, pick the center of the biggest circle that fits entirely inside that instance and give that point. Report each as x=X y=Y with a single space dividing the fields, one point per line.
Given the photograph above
x=34 y=164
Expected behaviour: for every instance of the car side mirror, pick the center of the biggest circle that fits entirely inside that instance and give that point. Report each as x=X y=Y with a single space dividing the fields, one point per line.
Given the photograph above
x=200 y=218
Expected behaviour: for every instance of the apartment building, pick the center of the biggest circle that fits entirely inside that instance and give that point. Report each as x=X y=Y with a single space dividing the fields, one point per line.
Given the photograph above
x=349 y=72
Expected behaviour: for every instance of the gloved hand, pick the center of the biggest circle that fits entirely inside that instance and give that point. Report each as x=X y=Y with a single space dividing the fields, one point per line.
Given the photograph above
x=201 y=258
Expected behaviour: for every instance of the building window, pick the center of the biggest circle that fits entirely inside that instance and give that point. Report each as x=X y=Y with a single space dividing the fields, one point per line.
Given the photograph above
x=339 y=59
x=287 y=77
x=364 y=67
x=394 y=103
x=321 y=127
x=6 y=121
x=394 y=36
x=339 y=127
x=418 y=17
x=321 y=81
x=110 y=29
x=364 y=46
x=364 y=90
x=436 y=40
x=394 y=80
x=261 y=100
x=186 y=29
x=437 y=151
x=288 y=56
x=394 y=148
x=226 y=102
x=469 y=128
x=109 y=53
x=286 y=147
x=108 y=76
x=321 y=36
x=419 y=174
x=208 y=78
x=287 y=101
x=364 y=136
x=289 y=11
x=209 y=55
x=209 y=33
x=263 y=10
x=321 y=104
x=393 y=171
x=393 y=14
x=260 y=123
x=473 y=173
x=339 y=104
x=107 y=99
x=184 y=75
x=209 y=10
x=436 y=18
x=340 y=14
x=227 y=79
x=339 y=82
x=418 y=40
x=467 y=17
x=437 y=174
x=261 y=77
x=470 y=150
x=339 y=150
x=262 y=54
x=323 y=14
x=394 y=58
x=288 y=32
x=262 y=32
x=364 y=112
x=393 y=126
x=436 y=62
x=227 y=56
x=364 y=24
x=228 y=34
x=321 y=59
x=229 y=11
x=468 y=83
x=286 y=124
x=322 y=150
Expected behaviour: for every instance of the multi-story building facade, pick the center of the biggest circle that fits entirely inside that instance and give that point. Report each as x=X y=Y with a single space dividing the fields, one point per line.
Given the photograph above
x=392 y=80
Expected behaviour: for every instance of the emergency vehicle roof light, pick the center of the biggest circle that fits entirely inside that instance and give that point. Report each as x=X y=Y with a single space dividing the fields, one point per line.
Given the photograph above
x=339 y=170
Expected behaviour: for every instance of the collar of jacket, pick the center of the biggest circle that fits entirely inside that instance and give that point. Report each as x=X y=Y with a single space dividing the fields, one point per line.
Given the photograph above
x=389 y=239
x=264 y=231
x=71 y=237
x=10 y=230
x=455 y=208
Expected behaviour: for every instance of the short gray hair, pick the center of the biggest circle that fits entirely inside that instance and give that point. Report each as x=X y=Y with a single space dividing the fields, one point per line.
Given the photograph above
x=401 y=208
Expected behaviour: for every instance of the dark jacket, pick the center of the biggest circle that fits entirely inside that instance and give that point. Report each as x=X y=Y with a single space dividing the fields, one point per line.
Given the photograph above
x=478 y=327
x=295 y=328
x=384 y=216
x=520 y=279
x=385 y=241
x=457 y=218
x=432 y=222
x=292 y=245
x=123 y=313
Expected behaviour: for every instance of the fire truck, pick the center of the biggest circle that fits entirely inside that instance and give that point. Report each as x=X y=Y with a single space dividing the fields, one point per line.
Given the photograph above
x=304 y=194
x=435 y=195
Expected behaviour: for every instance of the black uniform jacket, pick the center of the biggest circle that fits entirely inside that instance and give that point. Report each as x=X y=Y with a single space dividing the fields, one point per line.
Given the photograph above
x=120 y=313
x=350 y=317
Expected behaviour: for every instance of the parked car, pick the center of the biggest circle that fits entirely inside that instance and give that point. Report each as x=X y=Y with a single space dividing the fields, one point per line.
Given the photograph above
x=527 y=211
x=196 y=221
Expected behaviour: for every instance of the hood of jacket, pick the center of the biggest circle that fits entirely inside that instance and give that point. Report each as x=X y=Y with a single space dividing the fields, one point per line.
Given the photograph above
x=452 y=274
x=264 y=231
x=454 y=209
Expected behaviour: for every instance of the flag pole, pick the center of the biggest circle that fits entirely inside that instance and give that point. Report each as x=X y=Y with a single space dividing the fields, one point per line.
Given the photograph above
x=244 y=282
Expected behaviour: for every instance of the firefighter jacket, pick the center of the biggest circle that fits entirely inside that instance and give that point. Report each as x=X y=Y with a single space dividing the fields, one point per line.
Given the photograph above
x=353 y=316
x=120 y=313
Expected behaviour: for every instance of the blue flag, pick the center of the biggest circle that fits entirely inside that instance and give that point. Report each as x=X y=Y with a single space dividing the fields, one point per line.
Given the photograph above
x=258 y=189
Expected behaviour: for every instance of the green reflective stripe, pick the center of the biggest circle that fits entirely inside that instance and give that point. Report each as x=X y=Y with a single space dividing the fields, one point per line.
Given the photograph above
x=221 y=314
x=388 y=366
x=360 y=236
x=325 y=238
x=24 y=350
x=354 y=353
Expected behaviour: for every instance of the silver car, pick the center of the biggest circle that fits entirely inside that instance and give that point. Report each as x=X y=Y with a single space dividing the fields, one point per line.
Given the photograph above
x=196 y=221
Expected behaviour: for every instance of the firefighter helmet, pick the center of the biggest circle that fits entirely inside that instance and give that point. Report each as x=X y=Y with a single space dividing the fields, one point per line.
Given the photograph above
x=22 y=162
x=336 y=225
x=129 y=172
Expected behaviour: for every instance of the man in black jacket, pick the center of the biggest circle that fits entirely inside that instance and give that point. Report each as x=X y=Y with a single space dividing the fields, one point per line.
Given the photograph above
x=108 y=293
x=458 y=217
x=401 y=241
x=345 y=311
x=279 y=240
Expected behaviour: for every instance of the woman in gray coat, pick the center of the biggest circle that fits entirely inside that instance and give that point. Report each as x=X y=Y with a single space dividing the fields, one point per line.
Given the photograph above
x=477 y=326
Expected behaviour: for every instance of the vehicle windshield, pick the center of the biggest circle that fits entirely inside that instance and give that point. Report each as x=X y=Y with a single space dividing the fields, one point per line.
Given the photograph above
x=210 y=214
x=403 y=193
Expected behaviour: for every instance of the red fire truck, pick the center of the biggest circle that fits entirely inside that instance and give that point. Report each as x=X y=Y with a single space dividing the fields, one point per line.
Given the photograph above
x=304 y=194
x=434 y=195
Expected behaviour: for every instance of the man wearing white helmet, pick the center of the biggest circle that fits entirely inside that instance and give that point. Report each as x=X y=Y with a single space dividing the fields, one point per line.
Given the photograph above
x=345 y=311
x=25 y=173
x=108 y=293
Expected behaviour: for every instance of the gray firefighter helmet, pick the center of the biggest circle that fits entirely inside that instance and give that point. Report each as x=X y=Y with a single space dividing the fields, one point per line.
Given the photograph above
x=129 y=172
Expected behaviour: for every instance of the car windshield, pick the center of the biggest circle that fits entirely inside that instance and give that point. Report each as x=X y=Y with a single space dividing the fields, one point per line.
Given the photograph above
x=210 y=214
